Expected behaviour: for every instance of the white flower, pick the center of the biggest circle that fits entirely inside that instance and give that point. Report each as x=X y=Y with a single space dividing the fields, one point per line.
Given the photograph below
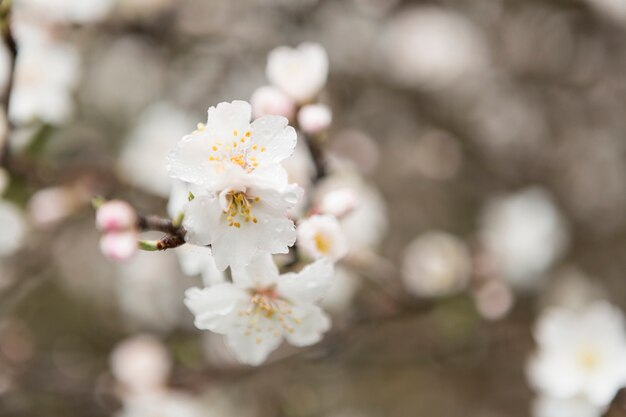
x=142 y=161
x=229 y=139
x=366 y=224
x=570 y=407
x=141 y=363
x=150 y=290
x=431 y=47
x=244 y=197
x=436 y=264
x=580 y=353
x=270 y=100
x=525 y=234
x=261 y=307
x=339 y=202
x=13 y=228
x=320 y=236
x=315 y=118
x=301 y=72
x=45 y=75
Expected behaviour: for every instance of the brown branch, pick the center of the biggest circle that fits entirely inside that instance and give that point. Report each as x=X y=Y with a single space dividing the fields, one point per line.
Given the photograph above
x=175 y=233
x=9 y=41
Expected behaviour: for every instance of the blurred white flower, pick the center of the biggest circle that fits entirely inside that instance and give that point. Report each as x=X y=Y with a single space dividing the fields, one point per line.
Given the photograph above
x=261 y=307
x=150 y=292
x=245 y=192
x=270 y=100
x=299 y=72
x=546 y=406
x=366 y=225
x=436 y=264
x=142 y=161
x=339 y=202
x=74 y=11
x=525 y=234
x=580 y=354
x=45 y=74
x=315 y=118
x=430 y=47
x=119 y=246
x=612 y=9
x=115 y=216
x=13 y=228
x=320 y=236
x=141 y=363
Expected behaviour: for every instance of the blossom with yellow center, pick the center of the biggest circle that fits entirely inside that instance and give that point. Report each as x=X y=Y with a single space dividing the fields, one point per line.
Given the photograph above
x=260 y=308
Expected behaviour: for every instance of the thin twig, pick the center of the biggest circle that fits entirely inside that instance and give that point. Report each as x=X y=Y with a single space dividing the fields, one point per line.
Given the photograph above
x=175 y=232
x=9 y=41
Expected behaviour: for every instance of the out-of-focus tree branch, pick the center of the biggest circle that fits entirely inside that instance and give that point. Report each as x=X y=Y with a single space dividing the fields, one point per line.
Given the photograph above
x=9 y=41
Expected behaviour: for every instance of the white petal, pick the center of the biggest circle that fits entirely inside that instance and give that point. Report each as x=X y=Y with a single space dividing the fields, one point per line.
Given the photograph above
x=308 y=285
x=189 y=160
x=226 y=118
x=277 y=233
x=274 y=139
x=313 y=324
x=215 y=307
x=252 y=349
x=261 y=271
x=235 y=247
x=202 y=220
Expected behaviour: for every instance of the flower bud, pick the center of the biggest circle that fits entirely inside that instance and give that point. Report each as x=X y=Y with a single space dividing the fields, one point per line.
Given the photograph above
x=115 y=215
x=315 y=118
x=269 y=100
x=119 y=246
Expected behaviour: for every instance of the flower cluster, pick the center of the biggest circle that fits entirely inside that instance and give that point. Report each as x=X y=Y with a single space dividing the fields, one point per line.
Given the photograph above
x=244 y=193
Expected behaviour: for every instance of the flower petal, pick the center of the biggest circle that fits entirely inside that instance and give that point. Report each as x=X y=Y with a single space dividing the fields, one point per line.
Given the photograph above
x=273 y=139
x=227 y=118
x=202 y=220
x=313 y=324
x=262 y=271
x=253 y=349
x=308 y=285
x=215 y=307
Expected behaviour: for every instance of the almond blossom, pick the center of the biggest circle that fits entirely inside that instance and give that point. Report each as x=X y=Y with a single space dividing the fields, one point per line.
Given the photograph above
x=320 y=236
x=299 y=72
x=260 y=308
x=242 y=190
x=580 y=354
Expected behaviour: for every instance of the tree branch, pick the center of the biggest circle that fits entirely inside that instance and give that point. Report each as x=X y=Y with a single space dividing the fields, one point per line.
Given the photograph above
x=9 y=41
x=175 y=232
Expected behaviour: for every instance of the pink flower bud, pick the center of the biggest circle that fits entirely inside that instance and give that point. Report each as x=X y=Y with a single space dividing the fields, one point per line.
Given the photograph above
x=115 y=215
x=119 y=246
x=315 y=118
x=270 y=100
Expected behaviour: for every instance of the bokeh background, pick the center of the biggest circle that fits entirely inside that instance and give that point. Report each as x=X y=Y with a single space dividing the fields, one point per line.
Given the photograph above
x=478 y=120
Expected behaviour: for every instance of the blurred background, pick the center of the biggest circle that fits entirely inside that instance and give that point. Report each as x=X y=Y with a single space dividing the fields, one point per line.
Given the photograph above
x=490 y=136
